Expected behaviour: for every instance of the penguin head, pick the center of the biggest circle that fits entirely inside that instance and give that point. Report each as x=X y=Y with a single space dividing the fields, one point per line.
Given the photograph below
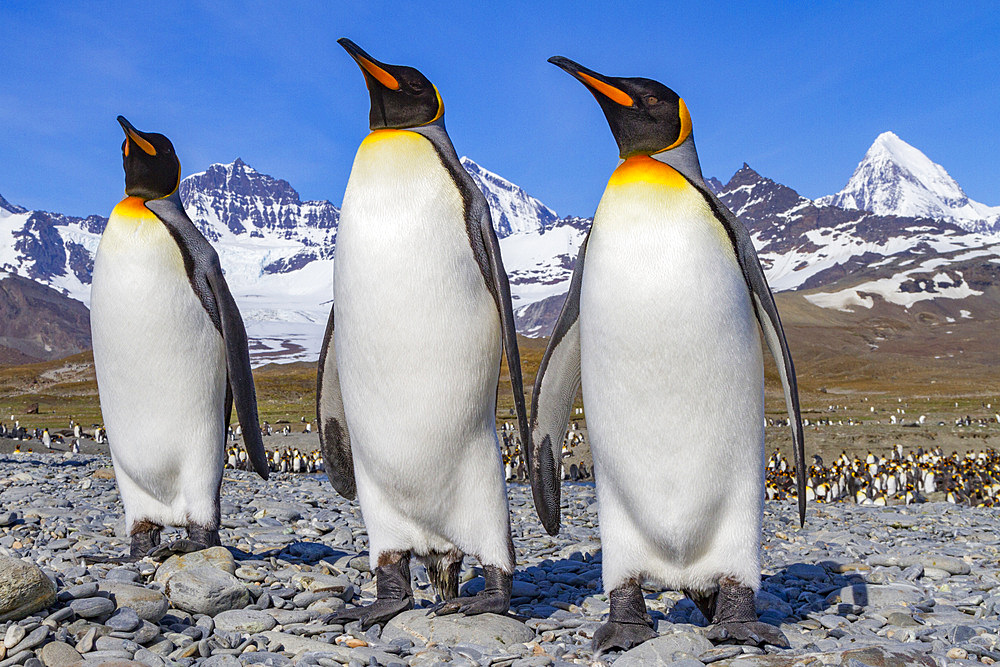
x=152 y=170
x=401 y=96
x=645 y=116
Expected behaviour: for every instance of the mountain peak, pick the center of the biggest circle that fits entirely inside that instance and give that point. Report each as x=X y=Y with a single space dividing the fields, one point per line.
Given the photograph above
x=895 y=178
x=514 y=210
x=12 y=208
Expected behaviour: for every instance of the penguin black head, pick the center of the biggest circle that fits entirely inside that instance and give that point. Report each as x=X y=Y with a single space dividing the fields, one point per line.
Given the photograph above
x=152 y=170
x=645 y=116
x=401 y=96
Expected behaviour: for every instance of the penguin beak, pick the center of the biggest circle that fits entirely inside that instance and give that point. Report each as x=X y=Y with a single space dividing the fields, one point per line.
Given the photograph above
x=136 y=137
x=597 y=83
x=372 y=68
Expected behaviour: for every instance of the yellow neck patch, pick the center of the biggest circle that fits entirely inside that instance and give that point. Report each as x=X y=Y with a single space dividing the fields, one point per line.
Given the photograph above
x=644 y=169
x=132 y=207
x=381 y=135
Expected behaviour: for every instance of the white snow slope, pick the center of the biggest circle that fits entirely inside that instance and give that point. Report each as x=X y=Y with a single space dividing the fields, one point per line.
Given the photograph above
x=894 y=178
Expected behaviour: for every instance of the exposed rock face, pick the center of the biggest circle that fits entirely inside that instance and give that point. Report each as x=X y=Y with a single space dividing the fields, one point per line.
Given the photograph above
x=39 y=323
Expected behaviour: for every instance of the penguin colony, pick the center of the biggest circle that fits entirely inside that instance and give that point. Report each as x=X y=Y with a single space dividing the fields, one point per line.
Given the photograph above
x=663 y=321
x=971 y=478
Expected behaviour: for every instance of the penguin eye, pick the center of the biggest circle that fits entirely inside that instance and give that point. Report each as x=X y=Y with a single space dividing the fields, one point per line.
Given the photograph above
x=651 y=100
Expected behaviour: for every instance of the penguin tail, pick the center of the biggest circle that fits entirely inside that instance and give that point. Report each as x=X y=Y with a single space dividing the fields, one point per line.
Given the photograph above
x=443 y=569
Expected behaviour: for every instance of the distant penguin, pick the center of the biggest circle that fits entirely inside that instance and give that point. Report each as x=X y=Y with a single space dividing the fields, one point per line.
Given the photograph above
x=46 y=439
x=661 y=327
x=411 y=358
x=169 y=348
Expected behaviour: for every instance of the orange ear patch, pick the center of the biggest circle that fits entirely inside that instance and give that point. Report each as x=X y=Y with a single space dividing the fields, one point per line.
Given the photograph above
x=685 y=117
x=607 y=90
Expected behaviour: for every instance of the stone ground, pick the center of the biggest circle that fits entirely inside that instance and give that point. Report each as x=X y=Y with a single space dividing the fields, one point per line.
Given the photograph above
x=859 y=585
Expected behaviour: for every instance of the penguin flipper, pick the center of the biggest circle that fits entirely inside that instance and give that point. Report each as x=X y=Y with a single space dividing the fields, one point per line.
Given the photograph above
x=205 y=273
x=774 y=334
x=502 y=286
x=335 y=441
x=556 y=385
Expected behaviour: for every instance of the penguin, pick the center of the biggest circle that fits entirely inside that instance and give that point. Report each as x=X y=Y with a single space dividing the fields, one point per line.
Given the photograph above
x=411 y=357
x=660 y=328
x=169 y=347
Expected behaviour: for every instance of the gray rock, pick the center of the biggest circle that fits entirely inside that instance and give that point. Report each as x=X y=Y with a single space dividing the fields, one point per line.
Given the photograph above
x=665 y=650
x=124 y=620
x=33 y=639
x=875 y=595
x=316 y=582
x=265 y=658
x=720 y=653
x=59 y=654
x=150 y=659
x=297 y=644
x=221 y=661
x=245 y=621
x=13 y=636
x=92 y=607
x=24 y=589
x=206 y=590
x=806 y=571
x=85 y=590
x=489 y=630
x=149 y=604
x=216 y=557
x=7 y=518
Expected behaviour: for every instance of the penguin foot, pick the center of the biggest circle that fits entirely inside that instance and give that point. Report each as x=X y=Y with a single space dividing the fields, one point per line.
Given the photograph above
x=753 y=633
x=393 y=594
x=493 y=599
x=614 y=635
x=176 y=547
x=628 y=623
x=198 y=538
x=735 y=620
x=380 y=612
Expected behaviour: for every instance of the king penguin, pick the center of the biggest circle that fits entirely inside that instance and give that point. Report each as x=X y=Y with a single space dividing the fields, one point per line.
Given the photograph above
x=169 y=348
x=660 y=327
x=408 y=376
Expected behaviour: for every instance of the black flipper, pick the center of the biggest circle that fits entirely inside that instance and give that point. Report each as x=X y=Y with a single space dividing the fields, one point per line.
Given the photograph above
x=556 y=385
x=334 y=440
x=502 y=294
x=205 y=273
x=770 y=323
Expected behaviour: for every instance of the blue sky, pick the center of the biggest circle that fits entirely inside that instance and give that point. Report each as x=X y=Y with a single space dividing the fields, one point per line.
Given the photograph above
x=797 y=90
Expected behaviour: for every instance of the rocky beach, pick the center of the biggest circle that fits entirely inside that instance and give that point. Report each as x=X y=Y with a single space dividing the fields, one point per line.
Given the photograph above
x=859 y=585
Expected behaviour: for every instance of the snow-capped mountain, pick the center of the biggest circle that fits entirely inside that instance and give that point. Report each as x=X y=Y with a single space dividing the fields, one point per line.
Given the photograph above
x=514 y=211
x=901 y=260
x=277 y=250
x=894 y=178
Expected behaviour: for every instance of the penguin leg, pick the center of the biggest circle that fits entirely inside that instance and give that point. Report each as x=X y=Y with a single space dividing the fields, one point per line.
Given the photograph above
x=705 y=602
x=145 y=538
x=198 y=538
x=443 y=570
x=735 y=620
x=628 y=623
x=393 y=593
x=493 y=599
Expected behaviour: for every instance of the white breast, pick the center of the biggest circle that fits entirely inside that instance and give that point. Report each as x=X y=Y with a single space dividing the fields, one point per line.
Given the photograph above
x=672 y=379
x=160 y=365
